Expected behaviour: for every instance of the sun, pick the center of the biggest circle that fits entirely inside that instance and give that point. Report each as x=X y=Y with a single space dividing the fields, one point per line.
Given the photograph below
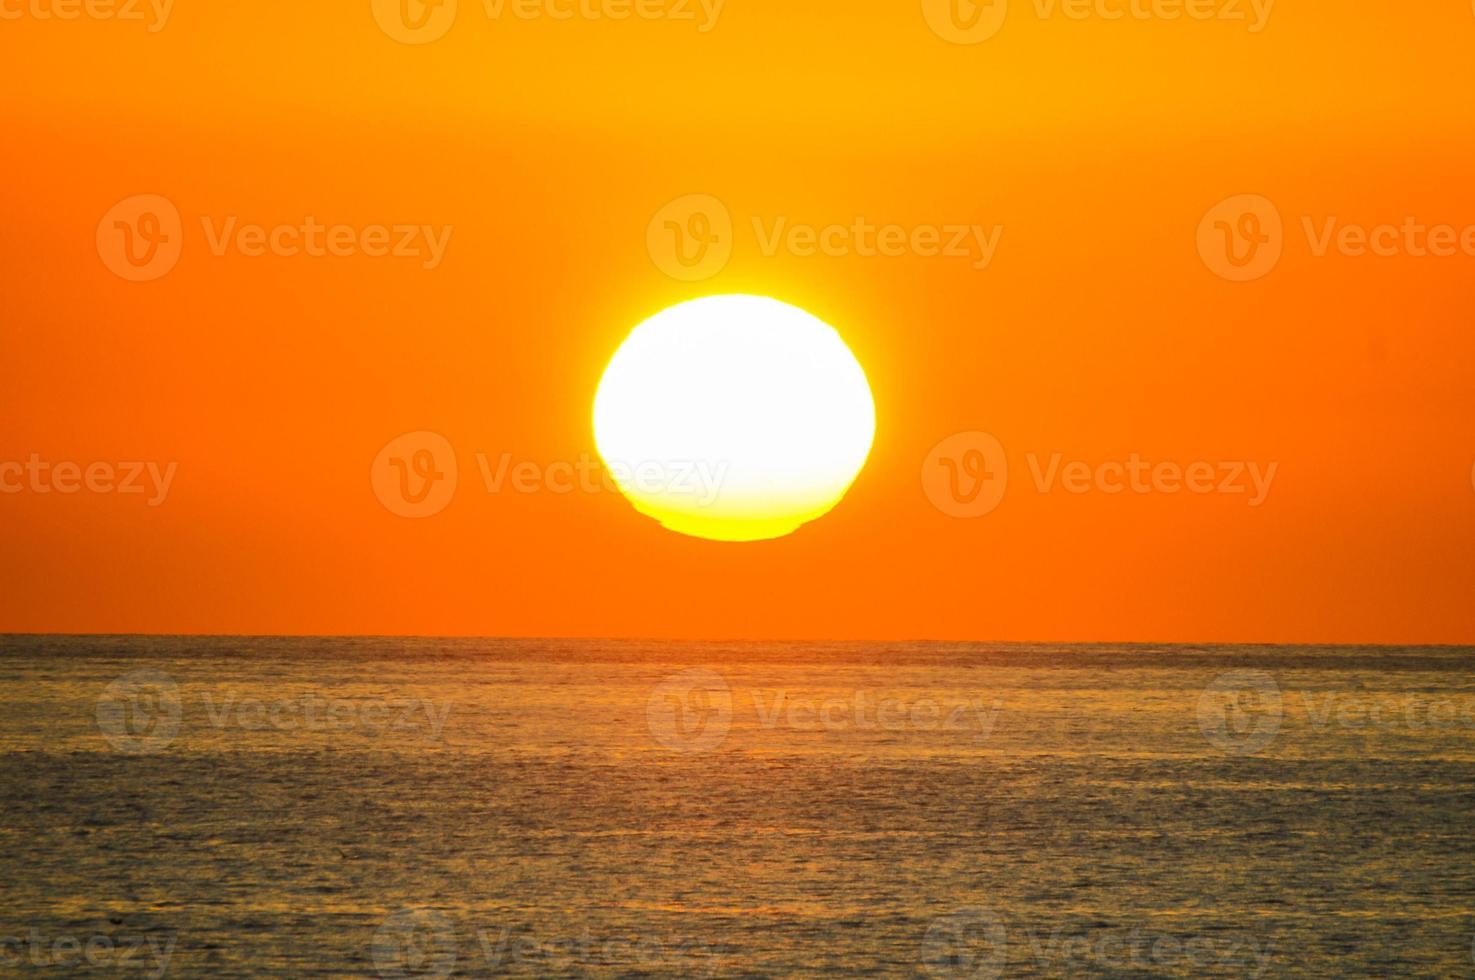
x=734 y=418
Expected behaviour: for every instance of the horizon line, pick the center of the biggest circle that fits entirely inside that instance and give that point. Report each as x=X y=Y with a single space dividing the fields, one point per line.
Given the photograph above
x=4 y=635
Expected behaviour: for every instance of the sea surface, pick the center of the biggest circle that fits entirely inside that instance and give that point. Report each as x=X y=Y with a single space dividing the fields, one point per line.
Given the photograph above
x=392 y=808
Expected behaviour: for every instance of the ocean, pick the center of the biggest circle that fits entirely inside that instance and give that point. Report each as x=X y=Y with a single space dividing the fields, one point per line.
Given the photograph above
x=393 y=808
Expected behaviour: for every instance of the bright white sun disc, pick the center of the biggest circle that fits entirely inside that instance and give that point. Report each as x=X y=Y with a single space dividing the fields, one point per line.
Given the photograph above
x=736 y=418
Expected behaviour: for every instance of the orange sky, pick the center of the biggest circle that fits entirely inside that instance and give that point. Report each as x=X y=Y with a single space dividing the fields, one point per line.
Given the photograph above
x=545 y=146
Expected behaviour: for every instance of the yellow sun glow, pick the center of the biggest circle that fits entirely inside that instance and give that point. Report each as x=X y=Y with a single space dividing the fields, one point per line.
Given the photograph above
x=735 y=418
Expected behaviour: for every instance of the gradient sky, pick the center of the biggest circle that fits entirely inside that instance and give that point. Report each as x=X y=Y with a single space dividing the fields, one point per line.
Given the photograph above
x=1098 y=331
